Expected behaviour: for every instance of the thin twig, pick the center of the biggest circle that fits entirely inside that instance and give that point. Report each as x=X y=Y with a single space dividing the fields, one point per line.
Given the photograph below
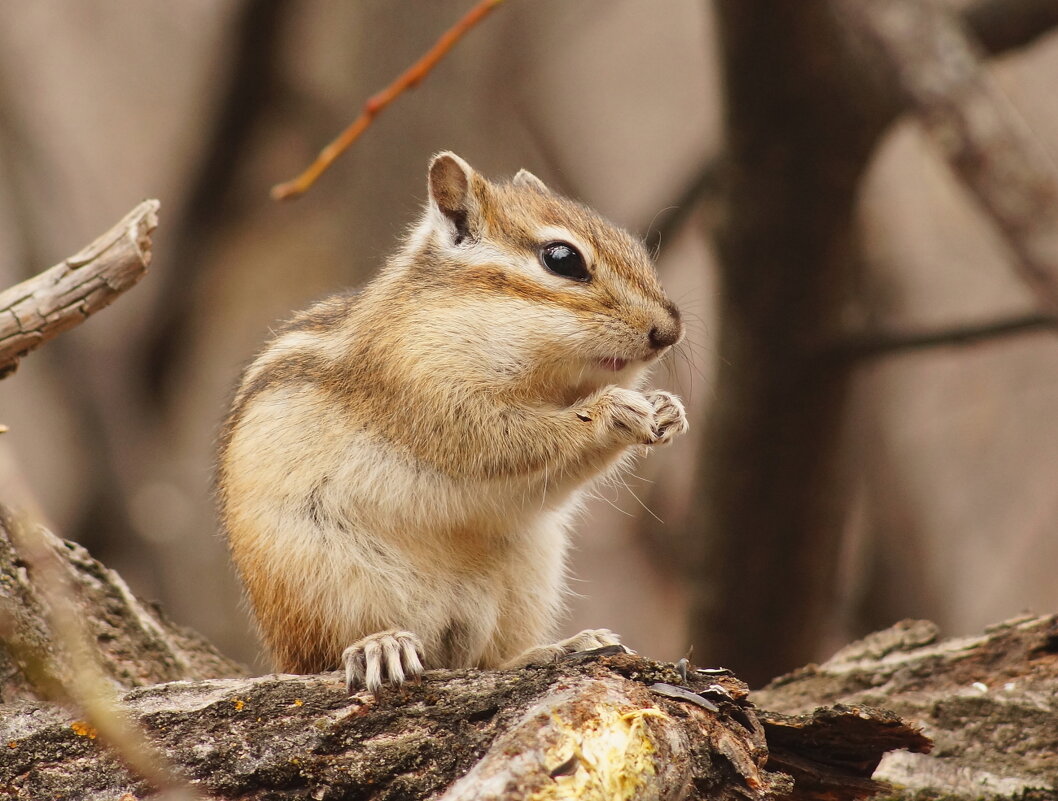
x=407 y=80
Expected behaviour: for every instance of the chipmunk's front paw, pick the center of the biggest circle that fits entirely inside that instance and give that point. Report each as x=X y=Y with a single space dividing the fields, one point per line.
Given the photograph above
x=397 y=652
x=587 y=640
x=625 y=414
x=636 y=418
x=670 y=419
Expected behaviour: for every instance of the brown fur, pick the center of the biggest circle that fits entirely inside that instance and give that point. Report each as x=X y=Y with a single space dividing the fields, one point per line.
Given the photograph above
x=409 y=457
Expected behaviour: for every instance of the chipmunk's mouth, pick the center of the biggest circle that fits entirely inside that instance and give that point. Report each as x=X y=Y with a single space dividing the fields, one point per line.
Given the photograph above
x=613 y=364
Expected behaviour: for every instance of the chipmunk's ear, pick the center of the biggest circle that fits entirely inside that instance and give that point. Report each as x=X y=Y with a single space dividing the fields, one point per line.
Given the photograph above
x=530 y=181
x=452 y=183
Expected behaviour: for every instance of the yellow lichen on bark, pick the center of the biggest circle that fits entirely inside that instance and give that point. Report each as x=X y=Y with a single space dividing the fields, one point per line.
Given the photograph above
x=614 y=756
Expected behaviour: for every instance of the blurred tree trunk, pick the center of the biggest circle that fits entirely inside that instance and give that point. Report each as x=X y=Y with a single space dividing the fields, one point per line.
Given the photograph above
x=806 y=103
x=773 y=505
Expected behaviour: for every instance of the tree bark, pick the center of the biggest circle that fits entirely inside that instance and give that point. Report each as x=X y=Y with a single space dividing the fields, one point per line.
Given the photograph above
x=989 y=702
x=602 y=725
x=137 y=645
x=589 y=727
x=596 y=725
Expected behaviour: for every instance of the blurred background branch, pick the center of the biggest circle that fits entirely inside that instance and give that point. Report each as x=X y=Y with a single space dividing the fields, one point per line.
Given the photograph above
x=1002 y=25
x=250 y=84
x=777 y=494
x=889 y=343
x=935 y=66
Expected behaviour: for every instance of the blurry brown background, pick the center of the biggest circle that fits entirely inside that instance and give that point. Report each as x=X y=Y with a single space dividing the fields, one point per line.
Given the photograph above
x=947 y=455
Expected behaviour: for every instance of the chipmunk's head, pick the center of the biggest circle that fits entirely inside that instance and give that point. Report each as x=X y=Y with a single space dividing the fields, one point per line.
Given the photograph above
x=555 y=294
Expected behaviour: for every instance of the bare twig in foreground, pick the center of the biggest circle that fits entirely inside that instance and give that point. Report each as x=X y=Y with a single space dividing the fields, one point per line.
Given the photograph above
x=72 y=667
x=57 y=299
x=980 y=134
x=409 y=79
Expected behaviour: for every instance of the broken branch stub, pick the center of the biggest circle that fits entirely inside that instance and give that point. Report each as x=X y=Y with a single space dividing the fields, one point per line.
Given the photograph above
x=56 y=300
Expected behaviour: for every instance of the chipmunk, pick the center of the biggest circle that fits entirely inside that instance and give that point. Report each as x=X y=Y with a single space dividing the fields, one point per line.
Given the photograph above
x=399 y=469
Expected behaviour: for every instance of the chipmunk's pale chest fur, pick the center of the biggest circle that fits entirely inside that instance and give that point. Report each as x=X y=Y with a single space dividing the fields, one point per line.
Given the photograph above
x=409 y=459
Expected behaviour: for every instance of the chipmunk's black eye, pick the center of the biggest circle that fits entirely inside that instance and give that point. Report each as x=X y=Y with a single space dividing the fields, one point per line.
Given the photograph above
x=563 y=259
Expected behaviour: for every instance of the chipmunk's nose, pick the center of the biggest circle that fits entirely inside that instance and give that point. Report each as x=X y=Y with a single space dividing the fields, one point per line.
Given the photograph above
x=666 y=333
x=662 y=337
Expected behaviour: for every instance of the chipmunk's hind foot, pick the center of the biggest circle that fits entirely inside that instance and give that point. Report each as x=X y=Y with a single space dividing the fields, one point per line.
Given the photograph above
x=587 y=640
x=386 y=657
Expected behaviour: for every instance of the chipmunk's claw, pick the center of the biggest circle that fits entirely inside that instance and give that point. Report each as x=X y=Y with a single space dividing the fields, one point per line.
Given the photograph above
x=670 y=419
x=397 y=654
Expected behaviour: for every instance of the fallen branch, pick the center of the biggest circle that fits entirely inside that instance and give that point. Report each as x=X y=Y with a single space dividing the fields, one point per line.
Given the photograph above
x=74 y=634
x=589 y=727
x=409 y=79
x=938 y=71
x=595 y=725
x=62 y=297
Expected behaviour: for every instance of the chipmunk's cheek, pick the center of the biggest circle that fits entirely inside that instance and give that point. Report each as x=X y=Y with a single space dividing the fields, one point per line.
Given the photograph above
x=613 y=364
